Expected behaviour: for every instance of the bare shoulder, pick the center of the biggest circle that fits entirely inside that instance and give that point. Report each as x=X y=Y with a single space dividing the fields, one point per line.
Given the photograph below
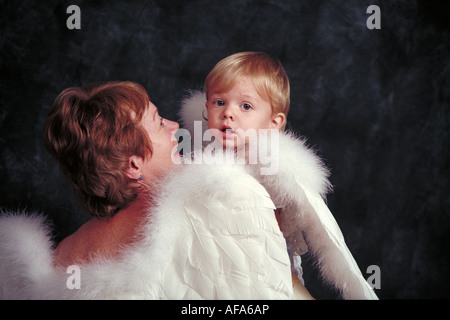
x=75 y=248
x=103 y=238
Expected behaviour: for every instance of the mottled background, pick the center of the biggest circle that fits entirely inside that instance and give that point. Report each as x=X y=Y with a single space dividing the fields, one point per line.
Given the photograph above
x=374 y=103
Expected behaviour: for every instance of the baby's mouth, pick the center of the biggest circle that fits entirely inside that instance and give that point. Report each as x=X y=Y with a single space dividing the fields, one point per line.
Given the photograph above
x=227 y=130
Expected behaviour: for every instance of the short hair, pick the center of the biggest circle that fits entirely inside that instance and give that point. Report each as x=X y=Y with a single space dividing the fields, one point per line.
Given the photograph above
x=92 y=131
x=268 y=76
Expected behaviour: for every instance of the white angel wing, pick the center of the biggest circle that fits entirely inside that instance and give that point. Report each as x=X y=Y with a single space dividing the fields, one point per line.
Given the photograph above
x=300 y=185
x=327 y=243
x=229 y=245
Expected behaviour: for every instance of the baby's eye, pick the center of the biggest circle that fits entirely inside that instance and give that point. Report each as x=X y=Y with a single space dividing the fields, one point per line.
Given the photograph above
x=246 y=107
x=161 y=122
x=219 y=103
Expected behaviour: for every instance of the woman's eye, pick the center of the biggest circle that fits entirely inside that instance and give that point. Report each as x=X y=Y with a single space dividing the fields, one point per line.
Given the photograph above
x=246 y=106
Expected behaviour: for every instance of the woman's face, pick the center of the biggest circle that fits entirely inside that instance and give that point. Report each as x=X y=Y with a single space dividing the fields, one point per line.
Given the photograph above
x=164 y=144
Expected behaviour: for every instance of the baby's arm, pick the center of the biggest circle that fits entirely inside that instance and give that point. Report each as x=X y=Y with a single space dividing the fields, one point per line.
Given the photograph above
x=300 y=292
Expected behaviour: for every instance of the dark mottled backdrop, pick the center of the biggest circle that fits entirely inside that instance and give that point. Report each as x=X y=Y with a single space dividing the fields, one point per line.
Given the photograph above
x=374 y=103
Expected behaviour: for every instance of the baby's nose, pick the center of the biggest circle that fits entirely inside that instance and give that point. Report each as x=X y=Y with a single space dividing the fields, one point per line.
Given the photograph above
x=227 y=113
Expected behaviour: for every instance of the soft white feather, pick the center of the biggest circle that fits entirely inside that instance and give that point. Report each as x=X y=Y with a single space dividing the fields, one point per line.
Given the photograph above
x=29 y=242
x=193 y=109
x=203 y=240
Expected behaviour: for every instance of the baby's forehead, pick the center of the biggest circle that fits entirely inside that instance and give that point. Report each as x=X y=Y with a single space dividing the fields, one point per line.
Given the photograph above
x=225 y=84
x=221 y=85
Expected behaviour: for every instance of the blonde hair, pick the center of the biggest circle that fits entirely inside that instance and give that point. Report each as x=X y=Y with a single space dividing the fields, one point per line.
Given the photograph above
x=267 y=74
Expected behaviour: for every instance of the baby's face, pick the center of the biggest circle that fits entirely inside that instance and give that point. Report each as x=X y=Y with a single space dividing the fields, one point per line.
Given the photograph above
x=237 y=112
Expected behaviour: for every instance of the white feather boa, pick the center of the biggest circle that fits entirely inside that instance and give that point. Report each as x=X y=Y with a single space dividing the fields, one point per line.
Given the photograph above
x=212 y=235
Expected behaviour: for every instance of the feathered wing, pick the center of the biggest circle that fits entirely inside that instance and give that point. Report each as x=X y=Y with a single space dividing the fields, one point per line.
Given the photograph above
x=193 y=109
x=335 y=261
x=300 y=186
x=192 y=117
x=228 y=244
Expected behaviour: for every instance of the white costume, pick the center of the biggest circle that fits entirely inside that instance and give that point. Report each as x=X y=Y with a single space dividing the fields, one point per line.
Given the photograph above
x=299 y=188
x=212 y=235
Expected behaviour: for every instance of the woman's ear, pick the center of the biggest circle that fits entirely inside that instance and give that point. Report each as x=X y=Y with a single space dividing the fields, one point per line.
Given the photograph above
x=277 y=121
x=135 y=165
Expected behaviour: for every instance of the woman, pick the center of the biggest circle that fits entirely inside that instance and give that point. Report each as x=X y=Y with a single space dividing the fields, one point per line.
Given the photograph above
x=101 y=138
x=158 y=230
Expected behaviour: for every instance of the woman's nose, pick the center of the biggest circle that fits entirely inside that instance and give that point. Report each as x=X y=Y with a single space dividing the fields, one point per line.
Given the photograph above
x=174 y=125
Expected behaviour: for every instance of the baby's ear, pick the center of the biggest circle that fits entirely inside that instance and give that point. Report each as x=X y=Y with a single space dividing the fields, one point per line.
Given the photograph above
x=278 y=121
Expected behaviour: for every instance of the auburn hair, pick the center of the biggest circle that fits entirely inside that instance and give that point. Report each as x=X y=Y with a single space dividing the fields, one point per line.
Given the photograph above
x=92 y=131
x=267 y=74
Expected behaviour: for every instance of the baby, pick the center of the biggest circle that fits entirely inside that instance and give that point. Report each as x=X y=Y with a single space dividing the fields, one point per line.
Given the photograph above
x=248 y=93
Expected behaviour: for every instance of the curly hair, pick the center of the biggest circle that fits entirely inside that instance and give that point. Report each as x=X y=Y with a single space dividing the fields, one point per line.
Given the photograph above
x=92 y=131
